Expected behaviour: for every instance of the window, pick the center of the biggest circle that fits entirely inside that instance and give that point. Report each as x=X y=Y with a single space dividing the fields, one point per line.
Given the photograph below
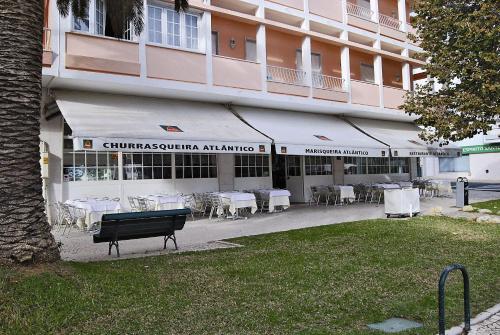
x=316 y=63
x=377 y=165
x=215 y=43
x=154 y=24
x=145 y=165
x=251 y=166
x=90 y=165
x=195 y=166
x=363 y=3
x=82 y=24
x=298 y=59
x=458 y=164
x=191 y=31
x=250 y=50
x=318 y=165
x=374 y=165
x=180 y=29
x=173 y=28
x=293 y=166
x=367 y=73
x=354 y=165
x=400 y=165
x=99 y=17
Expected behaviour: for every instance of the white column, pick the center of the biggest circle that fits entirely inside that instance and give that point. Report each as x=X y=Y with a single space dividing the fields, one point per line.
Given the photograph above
x=406 y=72
x=261 y=46
x=345 y=65
x=306 y=61
x=378 y=76
x=402 y=14
x=207 y=36
x=262 y=55
x=142 y=43
x=374 y=8
x=344 y=11
x=406 y=76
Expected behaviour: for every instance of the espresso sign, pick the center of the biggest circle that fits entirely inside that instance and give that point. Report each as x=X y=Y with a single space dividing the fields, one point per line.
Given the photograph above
x=147 y=145
x=304 y=150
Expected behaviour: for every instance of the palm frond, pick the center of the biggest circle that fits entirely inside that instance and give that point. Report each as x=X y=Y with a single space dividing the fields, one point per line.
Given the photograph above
x=123 y=12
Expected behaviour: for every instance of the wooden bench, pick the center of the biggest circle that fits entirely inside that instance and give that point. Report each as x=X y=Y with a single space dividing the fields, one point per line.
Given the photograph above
x=137 y=225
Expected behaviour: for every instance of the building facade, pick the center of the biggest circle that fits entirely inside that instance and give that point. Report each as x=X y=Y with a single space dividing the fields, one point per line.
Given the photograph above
x=230 y=95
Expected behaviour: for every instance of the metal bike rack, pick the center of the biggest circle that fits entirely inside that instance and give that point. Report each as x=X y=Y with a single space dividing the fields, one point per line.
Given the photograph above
x=442 y=282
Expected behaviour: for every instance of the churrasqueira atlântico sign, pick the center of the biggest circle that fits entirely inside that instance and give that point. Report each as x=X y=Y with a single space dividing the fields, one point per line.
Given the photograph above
x=147 y=145
x=481 y=149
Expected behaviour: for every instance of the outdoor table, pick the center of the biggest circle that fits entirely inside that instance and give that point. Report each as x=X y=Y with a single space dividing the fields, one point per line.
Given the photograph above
x=387 y=186
x=405 y=201
x=406 y=184
x=94 y=209
x=165 y=202
x=237 y=200
x=276 y=198
x=346 y=192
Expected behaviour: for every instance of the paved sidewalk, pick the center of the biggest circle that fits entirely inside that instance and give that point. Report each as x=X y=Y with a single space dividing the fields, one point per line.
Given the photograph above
x=486 y=323
x=198 y=234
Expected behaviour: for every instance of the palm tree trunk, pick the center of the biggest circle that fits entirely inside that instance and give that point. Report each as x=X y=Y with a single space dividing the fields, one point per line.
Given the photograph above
x=24 y=231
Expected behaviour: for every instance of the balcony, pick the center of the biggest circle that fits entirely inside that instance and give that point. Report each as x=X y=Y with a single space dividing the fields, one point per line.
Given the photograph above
x=296 y=4
x=175 y=64
x=361 y=17
x=102 y=54
x=393 y=97
x=47 y=51
x=288 y=81
x=236 y=73
x=411 y=30
x=365 y=93
x=330 y=9
x=329 y=87
x=391 y=27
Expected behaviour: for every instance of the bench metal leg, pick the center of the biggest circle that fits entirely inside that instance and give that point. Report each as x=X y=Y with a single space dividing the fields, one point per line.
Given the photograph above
x=169 y=237
x=114 y=243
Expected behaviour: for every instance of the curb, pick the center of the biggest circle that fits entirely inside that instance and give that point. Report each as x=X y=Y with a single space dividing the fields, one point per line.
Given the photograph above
x=457 y=330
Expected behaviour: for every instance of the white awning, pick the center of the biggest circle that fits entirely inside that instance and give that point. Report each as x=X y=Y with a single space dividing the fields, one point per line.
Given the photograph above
x=403 y=138
x=127 y=123
x=309 y=134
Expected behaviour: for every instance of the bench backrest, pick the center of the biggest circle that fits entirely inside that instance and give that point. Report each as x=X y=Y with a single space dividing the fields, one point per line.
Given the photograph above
x=123 y=226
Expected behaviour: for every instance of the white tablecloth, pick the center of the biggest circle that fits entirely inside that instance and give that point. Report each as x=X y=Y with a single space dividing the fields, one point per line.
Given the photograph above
x=94 y=209
x=402 y=201
x=236 y=200
x=164 y=202
x=276 y=198
x=347 y=192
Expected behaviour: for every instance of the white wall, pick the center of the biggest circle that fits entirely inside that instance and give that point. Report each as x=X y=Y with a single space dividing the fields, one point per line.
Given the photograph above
x=480 y=163
x=225 y=171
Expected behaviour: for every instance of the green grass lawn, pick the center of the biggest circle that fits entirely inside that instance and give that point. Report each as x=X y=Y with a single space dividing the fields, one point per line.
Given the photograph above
x=326 y=280
x=492 y=205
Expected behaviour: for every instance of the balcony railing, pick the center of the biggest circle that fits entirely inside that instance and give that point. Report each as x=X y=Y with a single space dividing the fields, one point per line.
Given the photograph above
x=46 y=39
x=285 y=75
x=389 y=21
x=359 y=11
x=327 y=82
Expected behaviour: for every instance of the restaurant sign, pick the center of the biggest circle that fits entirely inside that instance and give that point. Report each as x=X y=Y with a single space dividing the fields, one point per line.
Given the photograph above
x=305 y=150
x=151 y=145
x=426 y=152
x=481 y=149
